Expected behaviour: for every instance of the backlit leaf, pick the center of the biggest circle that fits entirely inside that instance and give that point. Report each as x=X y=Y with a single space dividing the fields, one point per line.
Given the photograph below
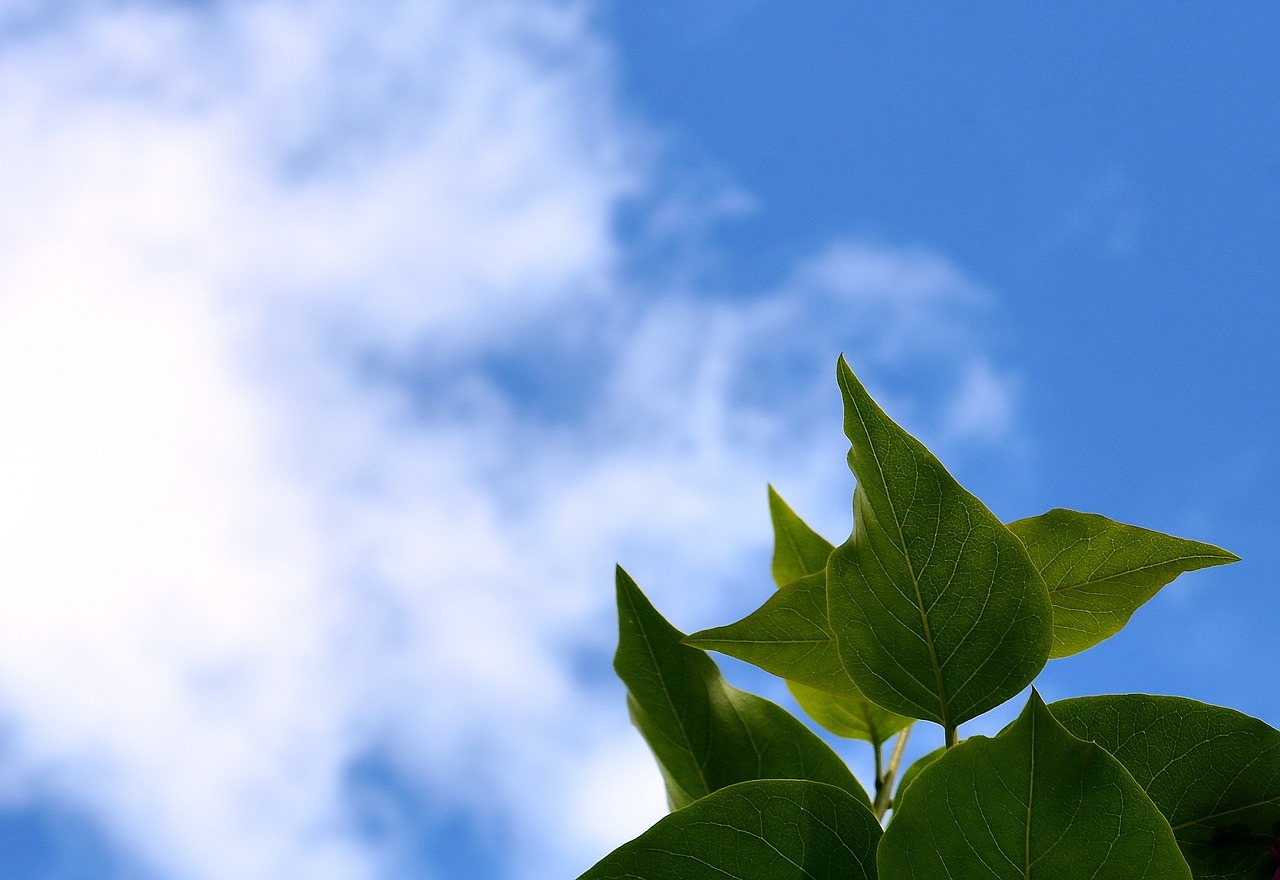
x=1213 y=772
x=936 y=608
x=789 y=637
x=1034 y=803
x=705 y=733
x=764 y=830
x=797 y=549
x=1100 y=571
x=850 y=717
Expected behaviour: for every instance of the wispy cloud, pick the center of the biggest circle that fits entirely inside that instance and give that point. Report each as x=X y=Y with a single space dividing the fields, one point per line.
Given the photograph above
x=331 y=405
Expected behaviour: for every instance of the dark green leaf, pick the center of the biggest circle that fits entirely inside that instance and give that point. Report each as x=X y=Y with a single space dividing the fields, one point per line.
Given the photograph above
x=797 y=549
x=1213 y=772
x=916 y=766
x=787 y=636
x=1034 y=803
x=852 y=717
x=936 y=608
x=766 y=830
x=705 y=733
x=1100 y=571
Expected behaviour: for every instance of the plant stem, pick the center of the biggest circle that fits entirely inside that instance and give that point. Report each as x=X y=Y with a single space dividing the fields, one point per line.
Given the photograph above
x=884 y=782
x=953 y=736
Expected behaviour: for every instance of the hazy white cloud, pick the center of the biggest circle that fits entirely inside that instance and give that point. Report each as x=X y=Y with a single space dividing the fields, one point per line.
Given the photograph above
x=983 y=405
x=199 y=202
x=274 y=278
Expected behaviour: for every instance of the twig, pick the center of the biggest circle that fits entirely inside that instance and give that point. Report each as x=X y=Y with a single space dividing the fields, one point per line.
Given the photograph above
x=884 y=783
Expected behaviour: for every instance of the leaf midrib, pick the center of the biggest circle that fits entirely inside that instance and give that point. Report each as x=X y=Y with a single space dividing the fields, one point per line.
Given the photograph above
x=1137 y=570
x=1031 y=790
x=1202 y=819
x=724 y=641
x=943 y=702
x=666 y=692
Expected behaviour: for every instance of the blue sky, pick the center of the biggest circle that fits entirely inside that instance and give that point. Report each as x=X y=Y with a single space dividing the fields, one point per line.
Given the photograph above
x=345 y=347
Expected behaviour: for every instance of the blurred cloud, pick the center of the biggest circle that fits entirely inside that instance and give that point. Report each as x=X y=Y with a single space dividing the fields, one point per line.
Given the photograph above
x=329 y=408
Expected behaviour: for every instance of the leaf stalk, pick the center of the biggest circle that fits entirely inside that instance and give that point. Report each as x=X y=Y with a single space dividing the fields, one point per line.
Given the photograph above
x=884 y=781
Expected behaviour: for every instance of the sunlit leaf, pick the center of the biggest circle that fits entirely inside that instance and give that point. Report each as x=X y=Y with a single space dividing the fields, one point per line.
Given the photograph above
x=1034 y=803
x=850 y=717
x=705 y=733
x=1100 y=571
x=797 y=549
x=936 y=608
x=1213 y=772
x=764 y=830
x=789 y=636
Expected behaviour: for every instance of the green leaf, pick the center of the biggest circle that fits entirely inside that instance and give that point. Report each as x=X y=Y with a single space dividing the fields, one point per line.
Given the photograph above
x=1100 y=571
x=797 y=549
x=851 y=717
x=1213 y=772
x=765 y=830
x=787 y=636
x=917 y=765
x=1034 y=803
x=705 y=733
x=936 y=608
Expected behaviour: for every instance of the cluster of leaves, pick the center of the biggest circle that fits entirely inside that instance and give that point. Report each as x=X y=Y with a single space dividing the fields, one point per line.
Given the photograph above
x=935 y=610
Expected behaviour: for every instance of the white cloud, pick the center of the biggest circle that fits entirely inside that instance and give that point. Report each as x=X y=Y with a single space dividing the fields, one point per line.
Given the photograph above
x=268 y=502
x=983 y=405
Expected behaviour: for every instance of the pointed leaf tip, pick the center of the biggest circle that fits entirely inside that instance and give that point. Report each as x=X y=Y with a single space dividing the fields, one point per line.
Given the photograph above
x=798 y=550
x=705 y=733
x=788 y=636
x=1099 y=572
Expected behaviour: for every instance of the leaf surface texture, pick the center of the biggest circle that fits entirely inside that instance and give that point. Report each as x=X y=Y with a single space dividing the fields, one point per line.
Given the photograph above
x=1033 y=803
x=937 y=610
x=1213 y=772
x=1099 y=571
x=764 y=830
x=705 y=733
x=790 y=636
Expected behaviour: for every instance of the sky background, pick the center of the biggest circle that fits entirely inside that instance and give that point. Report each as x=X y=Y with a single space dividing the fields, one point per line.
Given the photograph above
x=345 y=347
